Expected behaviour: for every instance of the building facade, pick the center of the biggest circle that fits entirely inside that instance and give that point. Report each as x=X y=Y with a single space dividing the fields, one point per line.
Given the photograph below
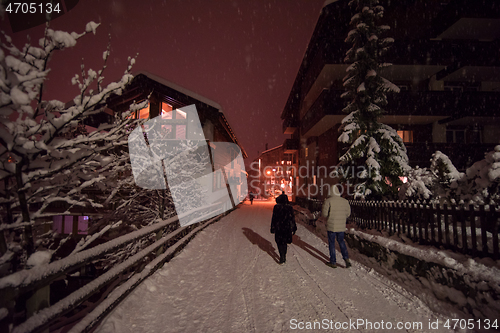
x=272 y=172
x=446 y=62
x=166 y=100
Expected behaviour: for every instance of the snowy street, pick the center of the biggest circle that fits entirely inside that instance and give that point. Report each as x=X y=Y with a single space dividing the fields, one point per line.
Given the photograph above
x=228 y=280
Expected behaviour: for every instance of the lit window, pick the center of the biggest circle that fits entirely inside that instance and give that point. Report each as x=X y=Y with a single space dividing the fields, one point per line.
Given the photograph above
x=406 y=136
x=166 y=131
x=144 y=113
x=307 y=152
x=166 y=114
x=166 y=111
x=180 y=114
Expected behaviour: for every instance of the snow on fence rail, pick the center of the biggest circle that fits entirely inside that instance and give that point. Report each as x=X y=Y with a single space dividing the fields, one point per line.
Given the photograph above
x=465 y=228
x=20 y=288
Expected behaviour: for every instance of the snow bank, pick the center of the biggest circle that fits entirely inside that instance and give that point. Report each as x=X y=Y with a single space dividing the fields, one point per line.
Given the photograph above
x=442 y=279
x=461 y=286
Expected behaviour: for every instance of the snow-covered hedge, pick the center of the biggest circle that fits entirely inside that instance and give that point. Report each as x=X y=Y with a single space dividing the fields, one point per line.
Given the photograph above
x=443 y=183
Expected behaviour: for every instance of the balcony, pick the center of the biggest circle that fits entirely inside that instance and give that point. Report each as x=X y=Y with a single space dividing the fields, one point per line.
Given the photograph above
x=290 y=146
x=290 y=124
x=407 y=107
x=462 y=155
x=325 y=112
x=444 y=103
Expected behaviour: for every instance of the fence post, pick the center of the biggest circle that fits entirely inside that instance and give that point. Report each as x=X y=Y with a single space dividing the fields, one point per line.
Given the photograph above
x=427 y=221
x=415 y=235
x=432 y=220
x=455 y=229
x=439 y=223
x=397 y=208
x=472 y=215
x=420 y=231
x=446 y=225
x=408 y=219
x=495 y=217
x=390 y=217
x=387 y=216
x=463 y=226
x=378 y=216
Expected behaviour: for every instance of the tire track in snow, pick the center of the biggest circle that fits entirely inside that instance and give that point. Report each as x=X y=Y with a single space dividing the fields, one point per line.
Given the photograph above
x=389 y=290
x=331 y=309
x=227 y=281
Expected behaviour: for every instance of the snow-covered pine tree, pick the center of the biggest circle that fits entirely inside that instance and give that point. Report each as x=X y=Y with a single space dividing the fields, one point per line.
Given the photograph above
x=44 y=157
x=375 y=150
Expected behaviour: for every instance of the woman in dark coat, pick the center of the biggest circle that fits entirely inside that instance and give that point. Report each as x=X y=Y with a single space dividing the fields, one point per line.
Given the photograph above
x=283 y=225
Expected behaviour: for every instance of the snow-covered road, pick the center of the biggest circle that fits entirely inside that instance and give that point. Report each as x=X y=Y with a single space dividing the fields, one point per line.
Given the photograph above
x=227 y=280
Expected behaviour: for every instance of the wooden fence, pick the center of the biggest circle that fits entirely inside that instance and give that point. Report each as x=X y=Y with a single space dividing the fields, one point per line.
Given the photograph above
x=464 y=228
x=24 y=301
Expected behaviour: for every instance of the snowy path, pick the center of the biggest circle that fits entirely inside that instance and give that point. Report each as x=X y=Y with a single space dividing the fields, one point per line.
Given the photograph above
x=227 y=280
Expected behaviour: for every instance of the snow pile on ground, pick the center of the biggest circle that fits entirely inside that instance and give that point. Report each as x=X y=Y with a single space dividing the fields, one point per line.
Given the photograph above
x=446 y=281
x=469 y=285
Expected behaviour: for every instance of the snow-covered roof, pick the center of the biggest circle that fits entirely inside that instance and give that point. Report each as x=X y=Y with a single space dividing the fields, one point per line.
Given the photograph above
x=267 y=151
x=183 y=90
x=194 y=95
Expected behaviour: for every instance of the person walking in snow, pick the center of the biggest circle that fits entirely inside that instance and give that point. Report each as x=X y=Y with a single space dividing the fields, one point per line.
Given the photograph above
x=283 y=225
x=283 y=196
x=336 y=209
x=251 y=198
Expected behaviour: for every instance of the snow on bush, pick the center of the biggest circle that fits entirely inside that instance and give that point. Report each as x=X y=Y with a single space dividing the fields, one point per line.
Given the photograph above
x=443 y=183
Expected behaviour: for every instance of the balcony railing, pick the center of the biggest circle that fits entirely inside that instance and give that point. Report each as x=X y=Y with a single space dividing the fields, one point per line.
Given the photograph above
x=411 y=103
x=290 y=124
x=462 y=155
x=327 y=103
x=444 y=103
x=290 y=146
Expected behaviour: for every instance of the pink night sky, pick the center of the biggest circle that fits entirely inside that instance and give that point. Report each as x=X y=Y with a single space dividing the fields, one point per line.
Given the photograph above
x=244 y=55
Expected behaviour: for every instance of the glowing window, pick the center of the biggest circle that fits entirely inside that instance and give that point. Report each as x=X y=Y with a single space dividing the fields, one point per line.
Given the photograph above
x=180 y=132
x=180 y=114
x=166 y=111
x=406 y=136
x=166 y=131
x=144 y=113
x=166 y=114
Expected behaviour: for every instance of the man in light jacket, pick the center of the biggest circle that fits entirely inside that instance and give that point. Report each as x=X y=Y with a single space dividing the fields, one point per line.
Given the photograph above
x=336 y=209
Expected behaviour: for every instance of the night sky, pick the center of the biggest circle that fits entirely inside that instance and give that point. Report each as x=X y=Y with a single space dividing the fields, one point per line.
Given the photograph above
x=243 y=55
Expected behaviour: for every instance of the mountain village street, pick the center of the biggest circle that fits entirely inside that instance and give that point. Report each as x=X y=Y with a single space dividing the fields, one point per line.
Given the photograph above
x=228 y=280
